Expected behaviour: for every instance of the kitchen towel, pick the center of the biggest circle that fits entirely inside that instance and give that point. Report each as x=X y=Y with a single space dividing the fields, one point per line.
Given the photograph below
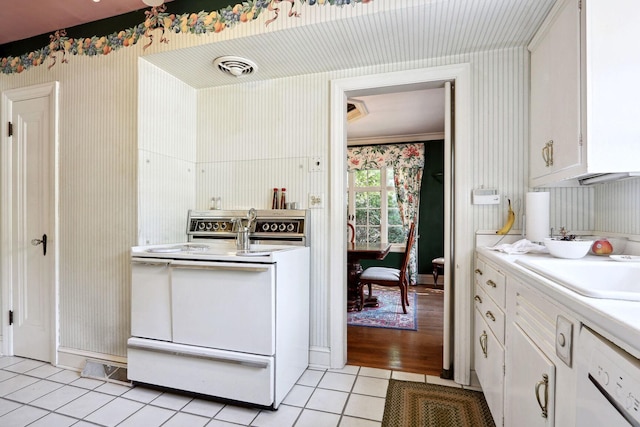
x=537 y=216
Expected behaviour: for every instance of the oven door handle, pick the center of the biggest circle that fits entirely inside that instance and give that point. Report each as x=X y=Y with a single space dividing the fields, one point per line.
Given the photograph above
x=197 y=355
x=213 y=267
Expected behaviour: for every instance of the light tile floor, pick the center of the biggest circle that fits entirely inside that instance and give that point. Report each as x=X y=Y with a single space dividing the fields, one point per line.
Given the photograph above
x=37 y=394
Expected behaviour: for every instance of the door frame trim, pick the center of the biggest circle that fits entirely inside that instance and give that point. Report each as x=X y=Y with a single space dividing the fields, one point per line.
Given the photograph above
x=50 y=90
x=459 y=234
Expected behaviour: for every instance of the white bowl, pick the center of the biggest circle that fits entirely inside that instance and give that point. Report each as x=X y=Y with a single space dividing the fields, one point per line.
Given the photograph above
x=571 y=249
x=618 y=243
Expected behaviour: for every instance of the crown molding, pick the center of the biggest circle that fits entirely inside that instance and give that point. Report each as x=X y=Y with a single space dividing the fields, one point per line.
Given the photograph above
x=394 y=139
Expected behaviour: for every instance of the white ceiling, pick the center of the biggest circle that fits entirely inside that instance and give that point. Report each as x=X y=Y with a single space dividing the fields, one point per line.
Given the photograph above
x=23 y=19
x=430 y=29
x=416 y=112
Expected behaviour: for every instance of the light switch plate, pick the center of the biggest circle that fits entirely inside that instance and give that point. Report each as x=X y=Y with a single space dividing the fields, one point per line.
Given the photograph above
x=316 y=200
x=316 y=164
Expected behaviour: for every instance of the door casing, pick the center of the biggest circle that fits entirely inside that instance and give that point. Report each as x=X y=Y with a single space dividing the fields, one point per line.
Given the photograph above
x=51 y=91
x=458 y=221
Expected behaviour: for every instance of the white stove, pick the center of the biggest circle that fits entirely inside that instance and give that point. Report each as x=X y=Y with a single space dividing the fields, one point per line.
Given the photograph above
x=212 y=320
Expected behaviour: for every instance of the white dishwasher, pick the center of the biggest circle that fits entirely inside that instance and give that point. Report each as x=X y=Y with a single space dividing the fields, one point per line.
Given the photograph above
x=208 y=320
x=608 y=386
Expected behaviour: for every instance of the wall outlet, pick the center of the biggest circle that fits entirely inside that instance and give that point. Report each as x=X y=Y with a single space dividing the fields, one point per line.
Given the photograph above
x=316 y=200
x=316 y=164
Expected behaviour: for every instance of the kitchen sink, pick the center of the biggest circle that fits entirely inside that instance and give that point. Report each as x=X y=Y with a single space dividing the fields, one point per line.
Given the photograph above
x=591 y=276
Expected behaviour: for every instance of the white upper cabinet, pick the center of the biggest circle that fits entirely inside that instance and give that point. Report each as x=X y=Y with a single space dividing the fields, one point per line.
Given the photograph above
x=584 y=92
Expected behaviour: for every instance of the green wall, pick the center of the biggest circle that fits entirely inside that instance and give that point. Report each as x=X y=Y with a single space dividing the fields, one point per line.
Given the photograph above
x=431 y=220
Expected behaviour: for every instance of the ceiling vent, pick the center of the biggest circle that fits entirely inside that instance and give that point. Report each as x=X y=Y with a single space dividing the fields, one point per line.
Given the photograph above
x=355 y=110
x=235 y=66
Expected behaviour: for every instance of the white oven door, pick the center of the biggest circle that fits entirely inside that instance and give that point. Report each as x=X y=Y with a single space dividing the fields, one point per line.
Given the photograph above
x=223 y=305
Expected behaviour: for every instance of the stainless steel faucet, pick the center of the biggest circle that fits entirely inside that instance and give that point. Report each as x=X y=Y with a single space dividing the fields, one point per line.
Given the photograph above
x=243 y=231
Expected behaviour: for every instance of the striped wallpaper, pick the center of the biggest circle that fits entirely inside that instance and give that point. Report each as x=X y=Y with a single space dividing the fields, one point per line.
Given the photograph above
x=138 y=147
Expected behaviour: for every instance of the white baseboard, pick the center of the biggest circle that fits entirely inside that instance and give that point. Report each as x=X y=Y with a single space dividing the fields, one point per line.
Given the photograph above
x=70 y=358
x=319 y=358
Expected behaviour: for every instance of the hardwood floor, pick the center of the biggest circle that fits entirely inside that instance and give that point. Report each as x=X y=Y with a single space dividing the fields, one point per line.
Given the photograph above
x=410 y=351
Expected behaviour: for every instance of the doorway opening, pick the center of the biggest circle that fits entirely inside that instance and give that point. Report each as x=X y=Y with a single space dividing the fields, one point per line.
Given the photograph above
x=409 y=122
x=455 y=302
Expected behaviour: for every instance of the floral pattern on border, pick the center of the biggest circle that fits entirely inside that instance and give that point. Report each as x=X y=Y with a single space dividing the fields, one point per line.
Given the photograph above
x=407 y=161
x=156 y=18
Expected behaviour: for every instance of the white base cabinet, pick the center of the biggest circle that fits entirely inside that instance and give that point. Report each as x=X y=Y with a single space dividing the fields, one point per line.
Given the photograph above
x=521 y=361
x=489 y=333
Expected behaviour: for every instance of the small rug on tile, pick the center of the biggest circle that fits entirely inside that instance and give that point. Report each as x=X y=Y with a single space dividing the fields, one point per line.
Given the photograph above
x=388 y=314
x=429 y=405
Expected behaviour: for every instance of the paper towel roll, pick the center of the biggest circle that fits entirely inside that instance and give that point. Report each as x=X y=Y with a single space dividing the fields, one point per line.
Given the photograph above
x=537 y=216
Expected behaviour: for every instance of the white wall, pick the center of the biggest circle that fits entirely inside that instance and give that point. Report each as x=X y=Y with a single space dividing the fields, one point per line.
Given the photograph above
x=248 y=138
x=167 y=129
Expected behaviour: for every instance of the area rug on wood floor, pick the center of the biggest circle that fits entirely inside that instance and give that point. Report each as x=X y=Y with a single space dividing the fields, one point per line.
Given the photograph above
x=429 y=405
x=389 y=313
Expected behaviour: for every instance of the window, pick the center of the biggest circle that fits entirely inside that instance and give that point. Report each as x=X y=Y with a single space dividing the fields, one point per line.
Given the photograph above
x=373 y=204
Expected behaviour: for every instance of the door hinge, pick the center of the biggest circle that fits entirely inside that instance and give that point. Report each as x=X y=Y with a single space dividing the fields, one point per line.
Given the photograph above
x=10 y=127
x=10 y=317
x=579 y=4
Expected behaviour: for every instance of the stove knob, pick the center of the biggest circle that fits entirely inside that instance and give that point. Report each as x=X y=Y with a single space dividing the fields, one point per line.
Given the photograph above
x=201 y=226
x=223 y=226
x=274 y=227
x=209 y=226
x=282 y=227
x=265 y=227
x=290 y=227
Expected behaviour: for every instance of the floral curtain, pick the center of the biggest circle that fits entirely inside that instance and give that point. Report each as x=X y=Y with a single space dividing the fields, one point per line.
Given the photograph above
x=407 y=161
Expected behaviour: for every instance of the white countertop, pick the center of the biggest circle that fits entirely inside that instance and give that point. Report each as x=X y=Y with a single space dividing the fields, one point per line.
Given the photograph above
x=202 y=251
x=617 y=320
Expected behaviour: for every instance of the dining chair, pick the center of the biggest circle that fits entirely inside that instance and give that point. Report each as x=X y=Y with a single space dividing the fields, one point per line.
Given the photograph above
x=388 y=276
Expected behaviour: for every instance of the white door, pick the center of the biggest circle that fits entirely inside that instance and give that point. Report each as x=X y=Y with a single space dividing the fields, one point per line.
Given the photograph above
x=31 y=254
x=447 y=332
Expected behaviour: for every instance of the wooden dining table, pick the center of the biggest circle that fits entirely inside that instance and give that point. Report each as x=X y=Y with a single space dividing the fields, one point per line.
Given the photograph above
x=355 y=253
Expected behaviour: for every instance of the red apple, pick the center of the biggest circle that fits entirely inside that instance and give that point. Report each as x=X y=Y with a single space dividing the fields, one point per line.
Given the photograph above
x=602 y=247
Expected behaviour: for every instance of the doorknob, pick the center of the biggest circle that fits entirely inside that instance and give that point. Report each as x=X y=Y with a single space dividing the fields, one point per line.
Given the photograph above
x=36 y=242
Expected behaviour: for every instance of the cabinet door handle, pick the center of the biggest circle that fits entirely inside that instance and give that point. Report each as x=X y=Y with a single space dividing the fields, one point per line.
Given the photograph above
x=545 y=402
x=478 y=271
x=483 y=343
x=547 y=153
x=478 y=298
x=491 y=283
x=489 y=315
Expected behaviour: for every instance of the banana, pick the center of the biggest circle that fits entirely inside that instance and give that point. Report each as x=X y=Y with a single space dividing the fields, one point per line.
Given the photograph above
x=511 y=217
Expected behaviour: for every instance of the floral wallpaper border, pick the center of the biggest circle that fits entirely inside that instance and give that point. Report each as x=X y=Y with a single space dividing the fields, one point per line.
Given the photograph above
x=60 y=46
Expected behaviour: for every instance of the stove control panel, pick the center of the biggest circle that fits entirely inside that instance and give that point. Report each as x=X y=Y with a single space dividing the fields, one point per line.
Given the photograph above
x=210 y=225
x=278 y=226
